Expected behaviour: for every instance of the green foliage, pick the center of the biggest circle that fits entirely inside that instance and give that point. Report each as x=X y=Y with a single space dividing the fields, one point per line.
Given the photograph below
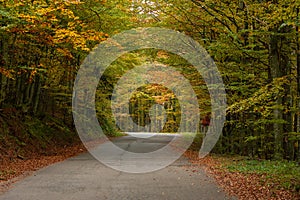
x=146 y=96
x=263 y=101
x=255 y=45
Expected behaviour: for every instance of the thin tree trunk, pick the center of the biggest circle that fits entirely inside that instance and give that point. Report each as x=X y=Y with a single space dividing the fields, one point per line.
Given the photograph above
x=1 y=91
x=277 y=113
x=37 y=94
x=297 y=115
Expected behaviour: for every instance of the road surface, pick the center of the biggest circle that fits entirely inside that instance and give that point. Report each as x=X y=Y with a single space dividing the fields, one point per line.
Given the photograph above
x=85 y=178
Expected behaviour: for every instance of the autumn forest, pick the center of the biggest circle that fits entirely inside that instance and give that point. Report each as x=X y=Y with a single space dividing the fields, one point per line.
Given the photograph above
x=255 y=45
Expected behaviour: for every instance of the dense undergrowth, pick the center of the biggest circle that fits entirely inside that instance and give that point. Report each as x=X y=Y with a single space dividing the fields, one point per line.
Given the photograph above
x=23 y=136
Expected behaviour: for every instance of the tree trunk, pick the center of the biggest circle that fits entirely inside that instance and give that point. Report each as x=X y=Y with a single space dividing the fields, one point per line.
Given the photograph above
x=297 y=115
x=274 y=60
x=37 y=92
x=2 y=91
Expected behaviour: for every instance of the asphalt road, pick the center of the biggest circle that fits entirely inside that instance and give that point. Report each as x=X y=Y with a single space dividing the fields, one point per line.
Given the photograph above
x=85 y=178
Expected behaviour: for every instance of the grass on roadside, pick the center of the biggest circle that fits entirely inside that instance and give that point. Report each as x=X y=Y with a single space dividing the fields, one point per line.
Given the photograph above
x=284 y=174
x=281 y=174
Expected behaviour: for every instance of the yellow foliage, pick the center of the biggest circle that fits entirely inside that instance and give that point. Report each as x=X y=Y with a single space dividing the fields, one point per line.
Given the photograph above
x=28 y=18
x=7 y=73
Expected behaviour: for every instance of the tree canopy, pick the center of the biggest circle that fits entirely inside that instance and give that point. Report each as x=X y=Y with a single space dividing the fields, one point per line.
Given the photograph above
x=254 y=43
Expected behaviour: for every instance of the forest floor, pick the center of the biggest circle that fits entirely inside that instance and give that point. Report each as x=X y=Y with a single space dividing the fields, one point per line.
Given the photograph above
x=12 y=170
x=251 y=179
